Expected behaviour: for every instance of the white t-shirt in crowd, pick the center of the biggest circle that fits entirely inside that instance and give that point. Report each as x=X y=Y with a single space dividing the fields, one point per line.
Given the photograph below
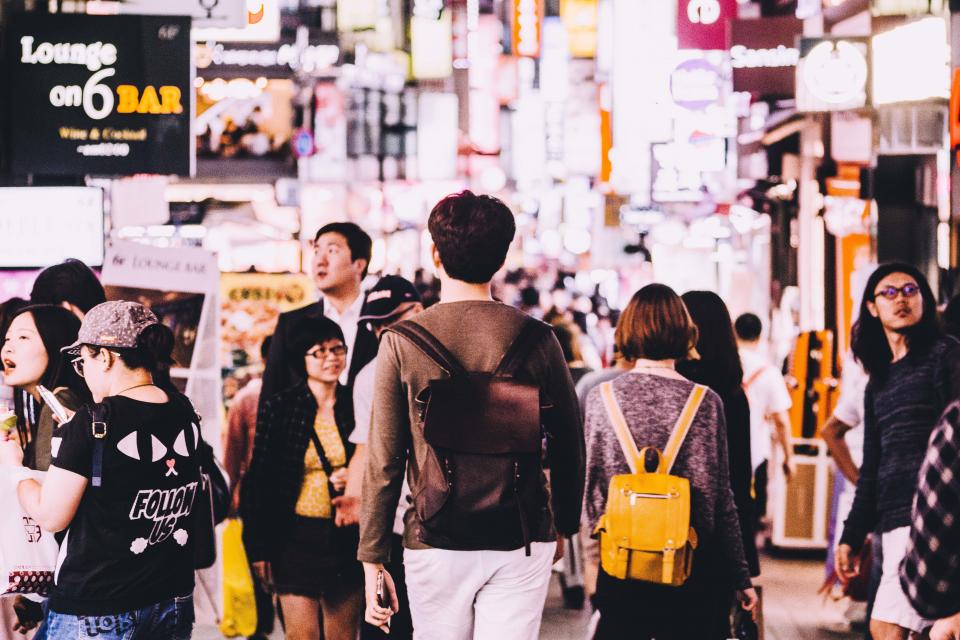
x=363 y=387
x=348 y=321
x=849 y=409
x=767 y=394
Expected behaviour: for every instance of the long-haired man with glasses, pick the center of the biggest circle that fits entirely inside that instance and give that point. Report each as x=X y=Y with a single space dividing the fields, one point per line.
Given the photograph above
x=914 y=374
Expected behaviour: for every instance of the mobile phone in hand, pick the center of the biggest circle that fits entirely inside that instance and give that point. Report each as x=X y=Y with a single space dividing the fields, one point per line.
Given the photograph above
x=381 y=595
x=51 y=401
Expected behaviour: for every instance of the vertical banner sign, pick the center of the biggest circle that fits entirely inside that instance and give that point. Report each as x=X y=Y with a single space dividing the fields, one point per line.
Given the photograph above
x=99 y=94
x=527 y=27
x=702 y=24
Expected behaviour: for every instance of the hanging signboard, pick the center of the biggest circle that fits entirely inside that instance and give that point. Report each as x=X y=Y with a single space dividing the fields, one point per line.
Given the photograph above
x=41 y=226
x=764 y=55
x=261 y=24
x=702 y=24
x=99 y=94
x=527 y=28
x=205 y=13
x=833 y=74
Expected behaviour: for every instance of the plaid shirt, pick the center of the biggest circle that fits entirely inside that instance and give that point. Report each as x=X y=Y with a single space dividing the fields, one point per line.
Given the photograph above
x=269 y=491
x=930 y=573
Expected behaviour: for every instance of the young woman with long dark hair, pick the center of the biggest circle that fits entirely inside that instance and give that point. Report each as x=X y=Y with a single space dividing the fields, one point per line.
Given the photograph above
x=719 y=368
x=31 y=357
x=914 y=374
x=299 y=463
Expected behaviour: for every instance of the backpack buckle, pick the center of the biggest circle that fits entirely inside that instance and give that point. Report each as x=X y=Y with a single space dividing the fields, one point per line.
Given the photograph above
x=99 y=430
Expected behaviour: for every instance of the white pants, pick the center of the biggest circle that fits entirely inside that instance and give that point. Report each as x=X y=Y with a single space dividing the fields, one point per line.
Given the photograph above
x=478 y=595
x=891 y=604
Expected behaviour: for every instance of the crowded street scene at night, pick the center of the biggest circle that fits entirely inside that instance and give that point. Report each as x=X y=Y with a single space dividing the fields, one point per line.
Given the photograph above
x=480 y=319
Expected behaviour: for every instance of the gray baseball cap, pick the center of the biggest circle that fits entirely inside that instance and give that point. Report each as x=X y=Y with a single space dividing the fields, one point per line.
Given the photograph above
x=115 y=324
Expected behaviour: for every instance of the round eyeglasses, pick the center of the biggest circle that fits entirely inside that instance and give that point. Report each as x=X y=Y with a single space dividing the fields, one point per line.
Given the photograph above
x=320 y=353
x=908 y=290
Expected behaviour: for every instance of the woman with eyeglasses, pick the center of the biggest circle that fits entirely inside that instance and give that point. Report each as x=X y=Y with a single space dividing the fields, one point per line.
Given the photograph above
x=122 y=483
x=914 y=374
x=299 y=464
x=31 y=358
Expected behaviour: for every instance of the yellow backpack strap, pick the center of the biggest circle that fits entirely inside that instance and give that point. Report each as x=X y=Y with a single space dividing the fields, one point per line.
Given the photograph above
x=682 y=428
x=627 y=443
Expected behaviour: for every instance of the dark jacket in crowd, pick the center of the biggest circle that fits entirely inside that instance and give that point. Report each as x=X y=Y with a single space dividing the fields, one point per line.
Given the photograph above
x=269 y=492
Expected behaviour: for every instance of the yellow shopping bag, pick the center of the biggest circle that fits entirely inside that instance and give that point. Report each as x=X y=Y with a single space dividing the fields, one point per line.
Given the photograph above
x=239 y=602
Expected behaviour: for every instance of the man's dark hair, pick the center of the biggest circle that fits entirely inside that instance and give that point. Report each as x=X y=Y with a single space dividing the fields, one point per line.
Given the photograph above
x=868 y=339
x=748 y=327
x=70 y=281
x=359 y=242
x=472 y=234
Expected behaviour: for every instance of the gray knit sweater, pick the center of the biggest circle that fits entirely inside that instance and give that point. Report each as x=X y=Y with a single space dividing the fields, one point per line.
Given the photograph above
x=651 y=405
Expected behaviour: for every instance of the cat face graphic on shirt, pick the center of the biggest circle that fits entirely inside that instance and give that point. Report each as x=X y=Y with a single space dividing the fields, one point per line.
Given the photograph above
x=168 y=509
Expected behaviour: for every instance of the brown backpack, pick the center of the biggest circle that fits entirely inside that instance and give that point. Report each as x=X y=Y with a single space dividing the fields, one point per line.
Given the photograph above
x=481 y=484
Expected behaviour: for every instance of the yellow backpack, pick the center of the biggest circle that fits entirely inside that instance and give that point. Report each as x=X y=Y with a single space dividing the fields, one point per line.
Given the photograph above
x=645 y=533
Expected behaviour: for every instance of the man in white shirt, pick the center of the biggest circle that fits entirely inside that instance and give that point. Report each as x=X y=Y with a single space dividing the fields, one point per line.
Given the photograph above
x=769 y=403
x=340 y=259
x=391 y=300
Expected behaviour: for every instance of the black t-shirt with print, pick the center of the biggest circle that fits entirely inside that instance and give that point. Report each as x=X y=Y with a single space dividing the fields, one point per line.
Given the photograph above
x=128 y=545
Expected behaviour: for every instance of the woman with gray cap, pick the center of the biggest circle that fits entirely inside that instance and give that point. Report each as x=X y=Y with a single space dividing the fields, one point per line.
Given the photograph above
x=122 y=485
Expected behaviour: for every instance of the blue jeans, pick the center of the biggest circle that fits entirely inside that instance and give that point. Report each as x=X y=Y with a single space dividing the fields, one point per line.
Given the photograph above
x=167 y=620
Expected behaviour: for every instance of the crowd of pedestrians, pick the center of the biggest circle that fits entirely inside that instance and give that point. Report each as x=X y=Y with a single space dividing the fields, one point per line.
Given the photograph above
x=415 y=460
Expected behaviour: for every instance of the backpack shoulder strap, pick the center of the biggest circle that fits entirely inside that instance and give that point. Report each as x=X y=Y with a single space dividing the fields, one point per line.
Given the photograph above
x=754 y=377
x=429 y=345
x=627 y=443
x=527 y=338
x=99 y=416
x=682 y=427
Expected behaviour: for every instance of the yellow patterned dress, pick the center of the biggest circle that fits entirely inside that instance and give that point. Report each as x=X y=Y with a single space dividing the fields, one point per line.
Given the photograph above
x=314 y=500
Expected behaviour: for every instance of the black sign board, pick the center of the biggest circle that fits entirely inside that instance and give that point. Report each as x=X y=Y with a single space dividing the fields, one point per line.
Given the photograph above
x=106 y=95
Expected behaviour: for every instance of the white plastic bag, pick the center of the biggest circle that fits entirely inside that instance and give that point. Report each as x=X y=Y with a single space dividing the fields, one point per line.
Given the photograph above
x=28 y=554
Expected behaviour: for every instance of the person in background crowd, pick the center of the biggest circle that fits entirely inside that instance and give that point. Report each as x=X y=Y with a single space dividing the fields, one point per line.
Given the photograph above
x=843 y=435
x=119 y=574
x=654 y=332
x=71 y=285
x=341 y=255
x=769 y=403
x=914 y=374
x=299 y=462
x=468 y=591
x=719 y=368
x=390 y=301
x=568 y=335
x=31 y=357
x=237 y=442
x=929 y=572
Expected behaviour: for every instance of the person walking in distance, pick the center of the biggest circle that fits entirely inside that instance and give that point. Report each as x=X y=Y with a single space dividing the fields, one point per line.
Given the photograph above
x=769 y=403
x=914 y=374
x=484 y=530
x=648 y=405
x=341 y=255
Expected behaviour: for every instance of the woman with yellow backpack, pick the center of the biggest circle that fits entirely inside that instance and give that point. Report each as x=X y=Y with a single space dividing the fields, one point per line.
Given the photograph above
x=658 y=490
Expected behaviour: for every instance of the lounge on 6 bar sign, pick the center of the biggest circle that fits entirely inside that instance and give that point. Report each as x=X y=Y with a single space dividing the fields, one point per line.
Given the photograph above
x=100 y=94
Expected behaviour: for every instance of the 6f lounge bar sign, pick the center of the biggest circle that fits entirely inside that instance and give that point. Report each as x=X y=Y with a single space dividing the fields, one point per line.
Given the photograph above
x=106 y=95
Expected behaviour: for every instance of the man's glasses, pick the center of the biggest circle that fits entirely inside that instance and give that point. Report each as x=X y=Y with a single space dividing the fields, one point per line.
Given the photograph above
x=78 y=365
x=890 y=293
x=321 y=352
